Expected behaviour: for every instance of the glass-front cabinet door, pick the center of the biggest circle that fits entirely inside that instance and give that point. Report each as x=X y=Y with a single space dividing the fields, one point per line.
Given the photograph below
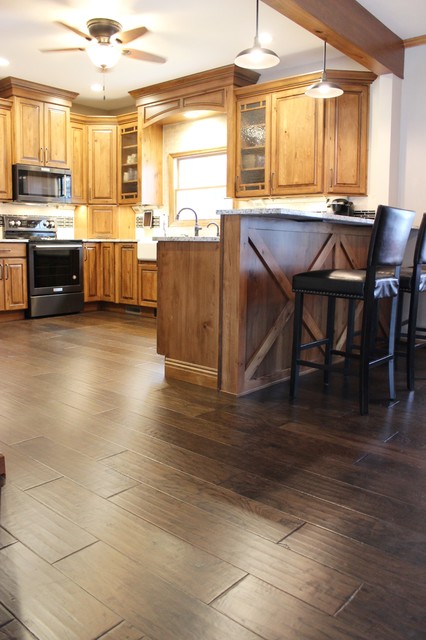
x=253 y=147
x=128 y=162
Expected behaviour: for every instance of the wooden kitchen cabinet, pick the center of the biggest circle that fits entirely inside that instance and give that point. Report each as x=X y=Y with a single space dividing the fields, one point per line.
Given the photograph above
x=297 y=143
x=41 y=133
x=78 y=161
x=5 y=150
x=91 y=271
x=102 y=163
x=289 y=144
x=128 y=162
x=346 y=142
x=13 y=277
x=107 y=271
x=280 y=145
x=102 y=222
x=253 y=146
x=126 y=273
x=147 y=281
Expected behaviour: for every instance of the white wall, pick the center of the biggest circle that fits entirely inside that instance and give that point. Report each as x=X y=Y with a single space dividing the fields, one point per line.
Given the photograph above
x=412 y=158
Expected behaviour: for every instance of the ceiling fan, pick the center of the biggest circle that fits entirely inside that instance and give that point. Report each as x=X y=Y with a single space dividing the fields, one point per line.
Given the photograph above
x=107 y=43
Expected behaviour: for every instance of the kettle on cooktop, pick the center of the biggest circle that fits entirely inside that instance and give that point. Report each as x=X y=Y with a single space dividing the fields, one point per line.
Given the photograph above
x=341 y=206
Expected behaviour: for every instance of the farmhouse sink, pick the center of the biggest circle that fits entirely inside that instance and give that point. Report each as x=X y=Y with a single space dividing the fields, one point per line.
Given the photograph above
x=147 y=250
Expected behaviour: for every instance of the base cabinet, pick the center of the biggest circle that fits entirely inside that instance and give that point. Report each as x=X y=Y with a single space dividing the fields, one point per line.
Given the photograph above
x=148 y=279
x=13 y=277
x=126 y=273
x=113 y=274
x=92 y=271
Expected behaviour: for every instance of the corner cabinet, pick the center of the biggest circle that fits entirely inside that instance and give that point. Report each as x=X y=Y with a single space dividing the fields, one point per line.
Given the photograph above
x=289 y=144
x=128 y=163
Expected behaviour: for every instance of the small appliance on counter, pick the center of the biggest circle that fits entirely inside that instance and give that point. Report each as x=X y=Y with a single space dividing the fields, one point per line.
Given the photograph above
x=341 y=206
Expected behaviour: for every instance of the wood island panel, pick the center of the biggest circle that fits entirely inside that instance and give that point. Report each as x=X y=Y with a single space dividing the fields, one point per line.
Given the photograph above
x=259 y=256
x=188 y=310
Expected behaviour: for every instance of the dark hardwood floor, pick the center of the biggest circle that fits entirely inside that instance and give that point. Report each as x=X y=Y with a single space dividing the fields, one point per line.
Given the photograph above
x=136 y=508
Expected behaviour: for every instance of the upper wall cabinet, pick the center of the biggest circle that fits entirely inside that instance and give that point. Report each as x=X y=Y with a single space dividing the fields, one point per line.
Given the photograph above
x=78 y=160
x=5 y=150
x=102 y=163
x=289 y=144
x=346 y=142
x=41 y=122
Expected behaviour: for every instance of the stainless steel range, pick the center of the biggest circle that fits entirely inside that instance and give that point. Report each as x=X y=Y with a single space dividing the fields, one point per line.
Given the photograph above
x=55 y=267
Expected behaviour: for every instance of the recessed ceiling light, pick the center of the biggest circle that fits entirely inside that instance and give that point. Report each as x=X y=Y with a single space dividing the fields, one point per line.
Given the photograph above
x=4 y=62
x=96 y=87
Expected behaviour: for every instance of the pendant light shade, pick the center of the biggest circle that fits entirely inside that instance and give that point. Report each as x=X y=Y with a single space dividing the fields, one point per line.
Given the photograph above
x=257 y=57
x=324 y=88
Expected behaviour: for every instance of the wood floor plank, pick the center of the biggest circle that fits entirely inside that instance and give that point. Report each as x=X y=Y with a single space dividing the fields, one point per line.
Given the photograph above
x=357 y=559
x=196 y=571
x=5 y=616
x=393 y=539
x=248 y=514
x=75 y=465
x=308 y=580
x=49 y=604
x=274 y=614
x=42 y=530
x=381 y=608
x=15 y=631
x=156 y=606
x=124 y=631
x=5 y=538
x=26 y=472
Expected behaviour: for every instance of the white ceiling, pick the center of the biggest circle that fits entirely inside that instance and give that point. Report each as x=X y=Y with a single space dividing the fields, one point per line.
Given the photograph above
x=194 y=35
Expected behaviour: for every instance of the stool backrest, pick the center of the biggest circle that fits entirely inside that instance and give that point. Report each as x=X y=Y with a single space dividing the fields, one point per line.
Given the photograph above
x=420 y=249
x=389 y=236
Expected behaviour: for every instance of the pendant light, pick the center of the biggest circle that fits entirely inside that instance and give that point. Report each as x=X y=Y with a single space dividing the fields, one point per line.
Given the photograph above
x=324 y=88
x=257 y=57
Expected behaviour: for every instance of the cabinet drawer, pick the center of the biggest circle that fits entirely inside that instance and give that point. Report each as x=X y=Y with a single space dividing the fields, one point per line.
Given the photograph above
x=13 y=250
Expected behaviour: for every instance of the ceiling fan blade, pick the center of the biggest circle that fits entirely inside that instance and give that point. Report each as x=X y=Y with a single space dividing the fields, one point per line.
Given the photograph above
x=60 y=50
x=75 y=30
x=142 y=55
x=127 y=36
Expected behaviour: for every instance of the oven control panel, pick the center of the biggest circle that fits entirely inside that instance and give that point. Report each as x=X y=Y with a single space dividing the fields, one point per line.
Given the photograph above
x=26 y=227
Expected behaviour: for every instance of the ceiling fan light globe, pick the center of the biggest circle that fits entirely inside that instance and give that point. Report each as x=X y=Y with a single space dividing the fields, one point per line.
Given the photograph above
x=104 y=55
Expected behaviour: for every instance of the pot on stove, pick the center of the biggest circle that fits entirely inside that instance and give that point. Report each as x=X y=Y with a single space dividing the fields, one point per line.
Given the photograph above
x=341 y=206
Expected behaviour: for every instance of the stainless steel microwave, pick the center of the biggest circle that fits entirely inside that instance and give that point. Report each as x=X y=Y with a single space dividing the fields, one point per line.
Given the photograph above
x=32 y=183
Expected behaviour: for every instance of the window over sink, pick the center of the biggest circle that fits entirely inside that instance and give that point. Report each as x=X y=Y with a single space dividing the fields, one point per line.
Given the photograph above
x=197 y=179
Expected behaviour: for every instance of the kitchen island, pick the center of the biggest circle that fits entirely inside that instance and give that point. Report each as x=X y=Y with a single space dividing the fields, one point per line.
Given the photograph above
x=225 y=308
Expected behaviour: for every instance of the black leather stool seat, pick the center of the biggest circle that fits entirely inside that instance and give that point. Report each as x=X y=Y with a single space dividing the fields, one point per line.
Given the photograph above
x=348 y=283
x=379 y=280
x=406 y=278
x=412 y=282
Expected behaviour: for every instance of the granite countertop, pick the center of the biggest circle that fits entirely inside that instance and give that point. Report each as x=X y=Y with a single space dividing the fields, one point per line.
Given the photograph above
x=295 y=214
x=13 y=240
x=186 y=238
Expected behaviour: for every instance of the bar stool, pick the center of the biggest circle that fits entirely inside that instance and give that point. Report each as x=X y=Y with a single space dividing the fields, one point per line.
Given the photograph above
x=379 y=280
x=412 y=281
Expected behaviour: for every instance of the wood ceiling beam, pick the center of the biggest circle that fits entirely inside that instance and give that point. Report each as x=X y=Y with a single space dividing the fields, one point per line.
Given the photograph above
x=350 y=28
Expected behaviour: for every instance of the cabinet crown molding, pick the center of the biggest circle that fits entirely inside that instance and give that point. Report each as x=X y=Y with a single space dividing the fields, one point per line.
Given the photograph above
x=17 y=87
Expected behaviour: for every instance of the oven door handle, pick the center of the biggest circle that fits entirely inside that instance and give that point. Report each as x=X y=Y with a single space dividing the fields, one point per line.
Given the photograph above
x=48 y=245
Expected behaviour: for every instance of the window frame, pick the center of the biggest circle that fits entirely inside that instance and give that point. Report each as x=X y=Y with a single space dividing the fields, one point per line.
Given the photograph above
x=172 y=157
